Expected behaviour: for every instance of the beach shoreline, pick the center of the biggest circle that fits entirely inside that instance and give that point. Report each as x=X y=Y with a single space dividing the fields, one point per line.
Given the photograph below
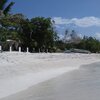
x=19 y=71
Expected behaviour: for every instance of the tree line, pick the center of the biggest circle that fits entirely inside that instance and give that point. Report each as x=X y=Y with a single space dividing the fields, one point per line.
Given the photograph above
x=37 y=33
x=73 y=41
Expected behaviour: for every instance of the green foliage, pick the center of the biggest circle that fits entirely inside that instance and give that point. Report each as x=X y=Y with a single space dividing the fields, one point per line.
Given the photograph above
x=87 y=43
x=60 y=45
x=8 y=8
x=90 y=43
x=5 y=9
x=42 y=32
x=39 y=33
x=36 y=33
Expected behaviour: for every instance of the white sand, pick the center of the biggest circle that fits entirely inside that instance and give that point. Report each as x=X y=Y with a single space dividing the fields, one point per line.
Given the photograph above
x=19 y=71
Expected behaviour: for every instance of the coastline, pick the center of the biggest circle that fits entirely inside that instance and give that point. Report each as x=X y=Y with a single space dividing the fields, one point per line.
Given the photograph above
x=31 y=69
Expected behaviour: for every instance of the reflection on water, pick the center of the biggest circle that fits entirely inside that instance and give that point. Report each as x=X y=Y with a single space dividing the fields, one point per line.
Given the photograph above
x=82 y=84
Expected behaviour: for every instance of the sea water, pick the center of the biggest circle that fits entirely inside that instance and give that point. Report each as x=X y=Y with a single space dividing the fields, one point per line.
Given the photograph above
x=82 y=84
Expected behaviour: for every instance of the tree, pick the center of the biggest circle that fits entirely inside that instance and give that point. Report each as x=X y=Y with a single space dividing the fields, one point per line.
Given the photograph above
x=26 y=34
x=42 y=32
x=71 y=37
x=74 y=37
x=5 y=9
x=89 y=43
x=10 y=26
x=66 y=36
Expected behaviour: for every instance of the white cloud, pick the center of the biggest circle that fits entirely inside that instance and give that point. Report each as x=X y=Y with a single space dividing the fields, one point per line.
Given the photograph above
x=80 y=35
x=97 y=35
x=81 y=22
x=61 y=36
x=60 y=27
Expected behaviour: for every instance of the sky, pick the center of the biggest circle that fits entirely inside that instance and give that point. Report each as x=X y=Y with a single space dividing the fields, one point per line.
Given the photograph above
x=81 y=15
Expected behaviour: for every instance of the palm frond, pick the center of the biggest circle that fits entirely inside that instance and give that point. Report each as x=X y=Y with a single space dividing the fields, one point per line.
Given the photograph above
x=2 y=4
x=8 y=8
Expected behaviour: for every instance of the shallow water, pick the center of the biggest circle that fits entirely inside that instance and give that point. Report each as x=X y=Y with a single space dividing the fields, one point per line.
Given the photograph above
x=82 y=84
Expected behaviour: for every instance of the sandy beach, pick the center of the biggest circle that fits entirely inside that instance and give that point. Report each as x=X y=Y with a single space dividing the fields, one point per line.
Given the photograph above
x=19 y=71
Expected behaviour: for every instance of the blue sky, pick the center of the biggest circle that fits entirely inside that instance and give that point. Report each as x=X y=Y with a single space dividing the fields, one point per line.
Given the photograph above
x=81 y=15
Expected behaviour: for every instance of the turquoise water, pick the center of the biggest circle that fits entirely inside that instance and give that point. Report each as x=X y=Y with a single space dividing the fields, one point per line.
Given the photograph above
x=82 y=84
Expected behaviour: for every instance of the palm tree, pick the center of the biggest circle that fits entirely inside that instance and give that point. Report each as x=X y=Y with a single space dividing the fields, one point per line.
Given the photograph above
x=5 y=9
